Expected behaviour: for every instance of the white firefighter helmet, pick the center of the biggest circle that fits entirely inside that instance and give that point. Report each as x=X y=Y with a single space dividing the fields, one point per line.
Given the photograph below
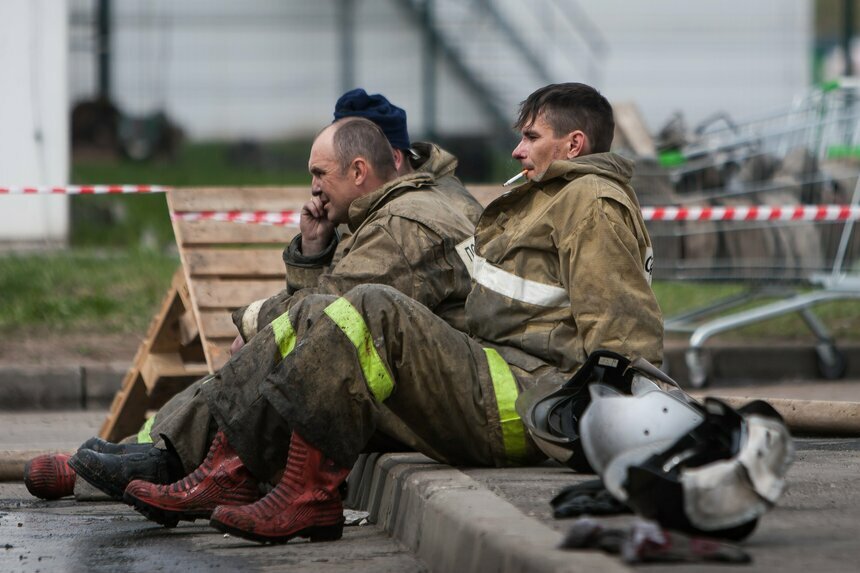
x=717 y=479
x=614 y=423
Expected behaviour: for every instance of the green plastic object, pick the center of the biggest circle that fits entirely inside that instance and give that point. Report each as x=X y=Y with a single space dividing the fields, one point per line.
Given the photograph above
x=671 y=158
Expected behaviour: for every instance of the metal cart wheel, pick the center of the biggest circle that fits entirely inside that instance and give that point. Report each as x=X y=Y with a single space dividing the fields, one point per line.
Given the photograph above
x=831 y=361
x=698 y=367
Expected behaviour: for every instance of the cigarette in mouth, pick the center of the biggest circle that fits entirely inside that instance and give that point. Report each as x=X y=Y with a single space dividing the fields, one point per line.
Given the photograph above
x=515 y=177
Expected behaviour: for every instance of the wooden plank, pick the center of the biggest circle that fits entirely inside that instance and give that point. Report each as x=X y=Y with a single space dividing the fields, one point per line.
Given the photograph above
x=130 y=401
x=130 y=413
x=266 y=263
x=486 y=193
x=168 y=365
x=217 y=324
x=226 y=233
x=238 y=198
x=180 y=283
x=215 y=293
x=188 y=329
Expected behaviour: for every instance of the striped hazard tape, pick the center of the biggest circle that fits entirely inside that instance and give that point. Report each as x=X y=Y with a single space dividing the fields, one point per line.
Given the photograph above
x=83 y=190
x=754 y=213
x=666 y=213
x=728 y=214
x=259 y=217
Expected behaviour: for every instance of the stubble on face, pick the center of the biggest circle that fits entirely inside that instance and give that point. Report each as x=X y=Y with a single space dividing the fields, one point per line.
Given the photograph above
x=328 y=183
x=539 y=147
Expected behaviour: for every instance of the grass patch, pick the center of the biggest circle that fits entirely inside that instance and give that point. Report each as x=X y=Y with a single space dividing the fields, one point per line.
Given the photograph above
x=118 y=291
x=842 y=318
x=89 y=290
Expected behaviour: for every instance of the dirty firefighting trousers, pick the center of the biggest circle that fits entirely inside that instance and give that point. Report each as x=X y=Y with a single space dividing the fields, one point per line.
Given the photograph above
x=185 y=420
x=375 y=361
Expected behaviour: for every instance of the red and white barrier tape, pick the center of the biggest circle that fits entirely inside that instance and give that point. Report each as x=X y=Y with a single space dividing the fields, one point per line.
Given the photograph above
x=728 y=214
x=259 y=217
x=83 y=190
x=754 y=213
x=670 y=213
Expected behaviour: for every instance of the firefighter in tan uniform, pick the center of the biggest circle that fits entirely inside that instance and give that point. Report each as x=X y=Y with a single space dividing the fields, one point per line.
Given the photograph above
x=561 y=268
x=402 y=234
x=185 y=421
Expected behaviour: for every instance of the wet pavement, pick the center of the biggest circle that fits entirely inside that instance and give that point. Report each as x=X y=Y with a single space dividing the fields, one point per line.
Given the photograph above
x=815 y=526
x=103 y=536
x=66 y=535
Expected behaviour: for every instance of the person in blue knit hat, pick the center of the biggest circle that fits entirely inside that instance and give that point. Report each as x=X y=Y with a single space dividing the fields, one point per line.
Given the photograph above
x=408 y=156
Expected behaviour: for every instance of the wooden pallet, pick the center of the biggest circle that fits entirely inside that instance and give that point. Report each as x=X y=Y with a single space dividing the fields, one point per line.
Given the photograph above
x=224 y=267
x=170 y=358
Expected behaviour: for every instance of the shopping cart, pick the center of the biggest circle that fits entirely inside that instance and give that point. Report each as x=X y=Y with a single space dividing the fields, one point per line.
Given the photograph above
x=771 y=203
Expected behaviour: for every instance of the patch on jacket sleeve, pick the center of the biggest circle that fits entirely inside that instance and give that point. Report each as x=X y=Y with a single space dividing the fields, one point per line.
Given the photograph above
x=649 y=264
x=466 y=250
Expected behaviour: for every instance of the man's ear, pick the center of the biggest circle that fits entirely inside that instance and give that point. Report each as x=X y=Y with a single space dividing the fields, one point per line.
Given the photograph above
x=359 y=169
x=577 y=144
x=399 y=158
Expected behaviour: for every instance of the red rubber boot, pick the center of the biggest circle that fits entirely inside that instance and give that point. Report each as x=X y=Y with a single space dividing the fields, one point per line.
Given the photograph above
x=221 y=479
x=49 y=476
x=305 y=503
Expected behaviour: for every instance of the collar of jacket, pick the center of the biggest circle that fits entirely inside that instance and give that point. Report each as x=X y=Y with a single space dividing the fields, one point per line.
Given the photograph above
x=433 y=159
x=362 y=207
x=609 y=165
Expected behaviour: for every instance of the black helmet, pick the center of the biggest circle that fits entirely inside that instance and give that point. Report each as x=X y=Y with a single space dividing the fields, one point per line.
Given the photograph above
x=552 y=413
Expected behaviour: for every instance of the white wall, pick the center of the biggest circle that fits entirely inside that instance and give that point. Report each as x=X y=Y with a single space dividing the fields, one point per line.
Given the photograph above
x=739 y=56
x=269 y=68
x=33 y=117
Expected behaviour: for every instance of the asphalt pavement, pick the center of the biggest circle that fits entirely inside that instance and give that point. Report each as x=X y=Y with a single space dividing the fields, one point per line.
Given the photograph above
x=426 y=516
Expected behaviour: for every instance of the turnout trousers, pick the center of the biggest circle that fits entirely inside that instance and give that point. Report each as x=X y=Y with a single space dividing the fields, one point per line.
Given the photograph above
x=374 y=362
x=186 y=421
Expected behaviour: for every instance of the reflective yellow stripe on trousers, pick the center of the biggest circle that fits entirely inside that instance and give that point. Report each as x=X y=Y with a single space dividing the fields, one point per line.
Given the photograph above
x=285 y=334
x=143 y=436
x=505 y=387
x=352 y=324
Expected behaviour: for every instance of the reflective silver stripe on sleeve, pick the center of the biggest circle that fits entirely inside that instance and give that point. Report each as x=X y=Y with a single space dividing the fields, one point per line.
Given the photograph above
x=518 y=288
x=249 y=319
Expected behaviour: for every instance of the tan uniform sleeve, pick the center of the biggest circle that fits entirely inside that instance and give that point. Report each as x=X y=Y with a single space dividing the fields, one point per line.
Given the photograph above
x=393 y=251
x=301 y=272
x=612 y=303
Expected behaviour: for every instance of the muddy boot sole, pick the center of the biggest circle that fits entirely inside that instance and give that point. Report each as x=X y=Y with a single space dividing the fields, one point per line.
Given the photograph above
x=166 y=517
x=316 y=533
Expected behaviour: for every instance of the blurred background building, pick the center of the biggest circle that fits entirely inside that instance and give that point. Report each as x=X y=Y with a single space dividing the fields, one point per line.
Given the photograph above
x=34 y=118
x=139 y=80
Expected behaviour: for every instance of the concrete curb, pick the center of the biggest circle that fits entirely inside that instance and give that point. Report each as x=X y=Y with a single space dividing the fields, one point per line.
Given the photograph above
x=452 y=523
x=27 y=386
x=757 y=362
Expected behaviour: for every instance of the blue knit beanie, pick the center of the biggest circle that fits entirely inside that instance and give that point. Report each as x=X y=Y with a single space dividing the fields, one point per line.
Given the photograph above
x=390 y=118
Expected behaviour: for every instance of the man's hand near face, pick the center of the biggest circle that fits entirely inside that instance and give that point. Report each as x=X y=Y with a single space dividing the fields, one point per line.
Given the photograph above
x=315 y=227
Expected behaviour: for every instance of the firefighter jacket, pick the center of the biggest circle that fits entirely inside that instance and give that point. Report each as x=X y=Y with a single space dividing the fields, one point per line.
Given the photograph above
x=402 y=235
x=433 y=159
x=563 y=267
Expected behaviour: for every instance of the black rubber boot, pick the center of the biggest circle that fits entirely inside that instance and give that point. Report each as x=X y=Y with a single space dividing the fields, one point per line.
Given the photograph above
x=111 y=473
x=97 y=444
